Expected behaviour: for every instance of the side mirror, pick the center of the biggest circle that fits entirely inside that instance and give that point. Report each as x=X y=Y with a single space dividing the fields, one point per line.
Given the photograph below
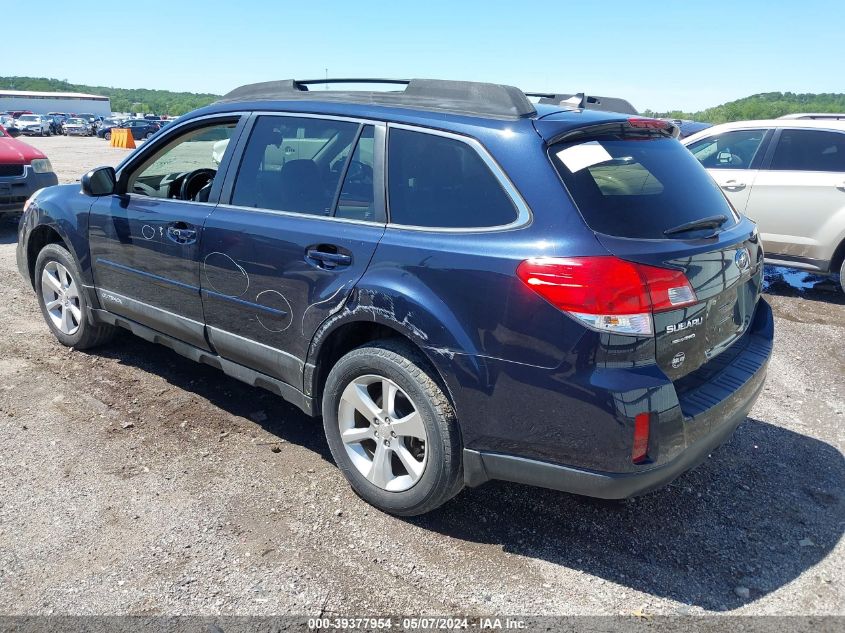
x=13 y=132
x=101 y=181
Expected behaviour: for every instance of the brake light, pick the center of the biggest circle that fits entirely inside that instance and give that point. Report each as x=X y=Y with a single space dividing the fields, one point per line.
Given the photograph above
x=651 y=124
x=607 y=293
x=639 y=453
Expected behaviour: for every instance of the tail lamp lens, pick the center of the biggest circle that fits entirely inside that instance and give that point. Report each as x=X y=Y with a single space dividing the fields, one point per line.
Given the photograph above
x=607 y=293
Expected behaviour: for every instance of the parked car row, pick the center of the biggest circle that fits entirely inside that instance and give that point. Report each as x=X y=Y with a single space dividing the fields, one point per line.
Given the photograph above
x=84 y=124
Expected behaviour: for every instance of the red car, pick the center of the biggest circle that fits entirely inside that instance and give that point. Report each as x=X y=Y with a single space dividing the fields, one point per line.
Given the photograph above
x=23 y=171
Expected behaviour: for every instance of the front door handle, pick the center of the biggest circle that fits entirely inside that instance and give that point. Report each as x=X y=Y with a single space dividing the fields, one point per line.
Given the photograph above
x=182 y=233
x=324 y=258
x=733 y=185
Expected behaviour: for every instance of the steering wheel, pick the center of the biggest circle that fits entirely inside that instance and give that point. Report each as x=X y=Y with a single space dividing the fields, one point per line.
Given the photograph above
x=359 y=172
x=195 y=180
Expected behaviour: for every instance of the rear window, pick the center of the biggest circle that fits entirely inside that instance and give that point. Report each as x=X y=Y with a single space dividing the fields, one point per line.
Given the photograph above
x=637 y=185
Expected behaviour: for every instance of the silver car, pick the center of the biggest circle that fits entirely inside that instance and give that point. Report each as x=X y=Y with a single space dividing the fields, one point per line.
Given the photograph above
x=788 y=175
x=33 y=125
x=78 y=127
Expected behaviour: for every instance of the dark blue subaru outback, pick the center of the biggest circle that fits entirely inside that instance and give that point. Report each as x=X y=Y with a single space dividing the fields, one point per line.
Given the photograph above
x=464 y=285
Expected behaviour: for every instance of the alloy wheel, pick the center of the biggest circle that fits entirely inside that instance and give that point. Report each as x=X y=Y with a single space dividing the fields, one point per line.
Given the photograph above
x=60 y=293
x=383 y=432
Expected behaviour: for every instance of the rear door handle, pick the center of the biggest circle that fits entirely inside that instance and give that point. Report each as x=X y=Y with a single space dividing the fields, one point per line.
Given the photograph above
x=182 y=233
x=733 y=185
x=327 y=259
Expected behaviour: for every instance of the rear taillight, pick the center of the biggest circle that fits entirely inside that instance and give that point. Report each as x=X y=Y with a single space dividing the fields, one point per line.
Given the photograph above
x=606 y=293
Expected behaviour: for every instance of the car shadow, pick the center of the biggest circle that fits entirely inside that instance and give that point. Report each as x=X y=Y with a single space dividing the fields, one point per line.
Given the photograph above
x=765 y=508
x=8 y=229
x=791 y=282
x=270 y=411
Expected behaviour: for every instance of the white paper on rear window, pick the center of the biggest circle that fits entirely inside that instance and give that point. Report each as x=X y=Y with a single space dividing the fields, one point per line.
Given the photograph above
x=583 y=155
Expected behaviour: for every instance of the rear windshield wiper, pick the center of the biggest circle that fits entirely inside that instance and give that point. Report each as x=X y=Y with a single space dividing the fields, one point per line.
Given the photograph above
x=711 y=222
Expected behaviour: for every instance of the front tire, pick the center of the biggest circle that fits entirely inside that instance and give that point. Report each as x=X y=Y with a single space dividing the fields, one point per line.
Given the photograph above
x=107 y=136
x=842 y=276
x=64 y=305
x=391 y=429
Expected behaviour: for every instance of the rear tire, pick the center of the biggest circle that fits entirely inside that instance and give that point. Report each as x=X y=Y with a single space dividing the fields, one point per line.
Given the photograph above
x=107 y=136
x=391 y=466
x=63 y=302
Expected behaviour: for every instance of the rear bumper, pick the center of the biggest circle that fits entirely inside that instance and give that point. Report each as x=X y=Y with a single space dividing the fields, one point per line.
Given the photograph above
x=722 y=405
x=15 y=190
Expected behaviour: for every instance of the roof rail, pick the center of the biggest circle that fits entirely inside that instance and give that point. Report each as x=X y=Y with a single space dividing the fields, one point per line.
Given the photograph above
x=586 y=102
x=815 y=115
x=460 y=97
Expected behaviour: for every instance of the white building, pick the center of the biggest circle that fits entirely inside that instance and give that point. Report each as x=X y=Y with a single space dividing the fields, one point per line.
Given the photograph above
x=44 y=102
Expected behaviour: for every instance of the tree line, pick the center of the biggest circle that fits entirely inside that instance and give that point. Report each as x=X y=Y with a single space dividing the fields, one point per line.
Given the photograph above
x=122 y=99
x=769 y=105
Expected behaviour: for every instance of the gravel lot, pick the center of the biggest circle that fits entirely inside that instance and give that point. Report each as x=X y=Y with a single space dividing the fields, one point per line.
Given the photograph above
x=133 y=481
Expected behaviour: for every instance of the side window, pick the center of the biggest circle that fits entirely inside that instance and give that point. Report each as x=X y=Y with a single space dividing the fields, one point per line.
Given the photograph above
x=357 y=196
x=294 y=164
x=810 y=150
x=442 y=182
x=731 y=150
x=162 y=175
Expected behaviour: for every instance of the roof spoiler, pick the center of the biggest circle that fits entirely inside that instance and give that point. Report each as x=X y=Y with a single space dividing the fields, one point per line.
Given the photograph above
x=581 y=101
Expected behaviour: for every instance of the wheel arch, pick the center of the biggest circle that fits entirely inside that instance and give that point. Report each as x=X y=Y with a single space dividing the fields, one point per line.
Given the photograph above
x=349 y=332
x=39 y=237
x=838 y=258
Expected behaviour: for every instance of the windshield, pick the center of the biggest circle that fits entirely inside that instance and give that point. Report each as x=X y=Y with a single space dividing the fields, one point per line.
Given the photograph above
x=76 y=121
x=29 y=117
x=637 y=186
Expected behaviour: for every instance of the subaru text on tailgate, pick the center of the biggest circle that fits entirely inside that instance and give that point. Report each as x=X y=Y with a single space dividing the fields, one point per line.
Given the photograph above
x=465 y=286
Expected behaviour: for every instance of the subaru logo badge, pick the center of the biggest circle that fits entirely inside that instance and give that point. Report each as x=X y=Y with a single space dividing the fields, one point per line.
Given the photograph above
x=742 y=259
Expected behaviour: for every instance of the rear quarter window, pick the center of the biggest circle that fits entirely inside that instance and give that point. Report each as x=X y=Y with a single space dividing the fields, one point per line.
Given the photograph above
x=436 y=181
x=637 y=186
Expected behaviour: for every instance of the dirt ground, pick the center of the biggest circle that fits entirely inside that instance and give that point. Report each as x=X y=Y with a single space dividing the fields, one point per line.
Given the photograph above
x=133 y=481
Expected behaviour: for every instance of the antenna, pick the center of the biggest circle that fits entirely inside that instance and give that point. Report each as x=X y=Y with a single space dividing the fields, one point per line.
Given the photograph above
x=326 y=87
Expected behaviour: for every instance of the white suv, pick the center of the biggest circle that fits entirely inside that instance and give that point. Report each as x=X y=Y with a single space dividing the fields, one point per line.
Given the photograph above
x=788 y=175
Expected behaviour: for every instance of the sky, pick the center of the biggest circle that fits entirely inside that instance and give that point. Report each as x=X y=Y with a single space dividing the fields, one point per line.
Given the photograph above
x=685 y=55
